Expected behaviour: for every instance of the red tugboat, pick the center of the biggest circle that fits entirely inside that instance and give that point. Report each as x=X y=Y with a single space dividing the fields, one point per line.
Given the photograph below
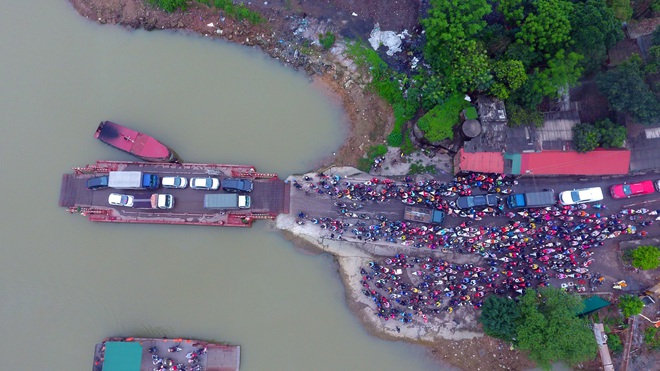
x=138 y=144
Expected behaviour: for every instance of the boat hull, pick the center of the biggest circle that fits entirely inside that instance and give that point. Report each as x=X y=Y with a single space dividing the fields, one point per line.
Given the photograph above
x=133 y=142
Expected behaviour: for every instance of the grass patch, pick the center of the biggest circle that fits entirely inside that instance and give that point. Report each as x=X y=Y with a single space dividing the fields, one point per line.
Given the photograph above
x=239 y=12
x=327 y=40
x=418 y=168
x=365 y=163
x=471 y=113
x=390 y=86
x=651 y=338
x=438 y=124
x=614 y=343
x=407 y=147
x=169 y=5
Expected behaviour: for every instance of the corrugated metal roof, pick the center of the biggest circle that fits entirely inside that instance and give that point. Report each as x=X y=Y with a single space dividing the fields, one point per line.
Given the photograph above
x=485 y=162
x=598 y=162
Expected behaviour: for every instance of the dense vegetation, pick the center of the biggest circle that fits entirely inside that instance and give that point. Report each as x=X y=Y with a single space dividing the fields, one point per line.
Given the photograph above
x=630 y=305
x=646 y=257
x=543 y=323
x=604 y=133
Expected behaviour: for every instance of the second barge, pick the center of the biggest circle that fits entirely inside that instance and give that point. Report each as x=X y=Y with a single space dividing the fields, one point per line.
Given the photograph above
x=148 y=354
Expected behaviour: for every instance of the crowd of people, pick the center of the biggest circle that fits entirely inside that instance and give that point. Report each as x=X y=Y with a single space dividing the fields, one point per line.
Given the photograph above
x=519 y=250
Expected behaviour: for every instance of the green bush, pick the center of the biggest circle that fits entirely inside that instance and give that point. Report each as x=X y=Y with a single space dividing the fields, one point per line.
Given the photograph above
x=630 y=305
x=169 y=5
x=646 y=257
x=519 y=115
x=364 y=164
x=421 y=169
x=651 y=338
x=585 y=137
x=614 y=343
x=377 y=150
x=395 y=139
x=438 y=124
x=327 y=40
x=407 y=147
x=471 y=113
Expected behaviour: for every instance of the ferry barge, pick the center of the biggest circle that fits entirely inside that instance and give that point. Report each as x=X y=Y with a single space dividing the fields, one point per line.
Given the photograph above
x=147 y=354
x=269 y=196
x=135 y=143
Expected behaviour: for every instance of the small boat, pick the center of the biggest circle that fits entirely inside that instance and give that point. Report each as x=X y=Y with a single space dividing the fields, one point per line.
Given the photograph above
x=138 y=144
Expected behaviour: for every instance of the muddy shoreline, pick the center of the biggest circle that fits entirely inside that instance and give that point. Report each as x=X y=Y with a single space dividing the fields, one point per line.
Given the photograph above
x=368 y=119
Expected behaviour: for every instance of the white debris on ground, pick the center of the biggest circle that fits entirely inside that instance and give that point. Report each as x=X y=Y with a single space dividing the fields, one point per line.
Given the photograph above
x=390 y=39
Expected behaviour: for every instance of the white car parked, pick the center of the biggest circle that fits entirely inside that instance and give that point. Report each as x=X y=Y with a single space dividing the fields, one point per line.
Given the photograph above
x=174 y=182
x=120 y=200
x=204 y=183
x=580 y=196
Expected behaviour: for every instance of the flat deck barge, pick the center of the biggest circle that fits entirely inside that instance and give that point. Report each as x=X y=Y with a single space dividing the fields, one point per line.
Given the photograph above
x=270 y=195
x=147 y=354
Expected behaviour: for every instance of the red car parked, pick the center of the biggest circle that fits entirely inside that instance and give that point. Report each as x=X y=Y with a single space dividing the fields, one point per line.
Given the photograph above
x=635 y=189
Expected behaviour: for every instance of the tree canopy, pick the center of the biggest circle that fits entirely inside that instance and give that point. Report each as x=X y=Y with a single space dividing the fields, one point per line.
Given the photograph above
x=630 y=305
x=594 y=30
x=627 y=91
x=646 y=257
x=549 y=329
x=548 y=28
x=542 y=322
x=499 y=316
x=604 y=133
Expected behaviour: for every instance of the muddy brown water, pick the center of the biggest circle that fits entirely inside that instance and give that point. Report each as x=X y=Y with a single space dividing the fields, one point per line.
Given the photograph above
x=66 y=283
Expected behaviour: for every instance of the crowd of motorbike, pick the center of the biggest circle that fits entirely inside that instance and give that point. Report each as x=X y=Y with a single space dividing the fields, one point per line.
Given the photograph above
x=519 y=250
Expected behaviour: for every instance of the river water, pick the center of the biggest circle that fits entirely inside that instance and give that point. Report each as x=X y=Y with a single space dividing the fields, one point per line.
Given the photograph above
x=66 y=283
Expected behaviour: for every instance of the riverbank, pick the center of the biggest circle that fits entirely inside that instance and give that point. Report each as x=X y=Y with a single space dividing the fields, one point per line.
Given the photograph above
x=368 y=119
x=459 y=343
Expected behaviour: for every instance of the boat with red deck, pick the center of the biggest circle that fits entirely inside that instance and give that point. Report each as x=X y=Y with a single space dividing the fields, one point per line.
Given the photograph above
x=138 y=144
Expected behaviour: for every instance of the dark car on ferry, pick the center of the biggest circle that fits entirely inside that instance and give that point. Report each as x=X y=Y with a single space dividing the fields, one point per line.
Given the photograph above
x=467 y=202
x=235 y=185
x=97 y=182
x=633 y=189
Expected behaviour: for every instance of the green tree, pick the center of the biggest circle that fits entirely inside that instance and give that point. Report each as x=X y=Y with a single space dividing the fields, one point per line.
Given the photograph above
x=562 y=72
x=646 y=257
x=630 y=305
x=614 y=343
x=611 y=135
x=451 y=27
x=438 y=124
x=655 y=37
x=585 y=137
x=594 y=31
x=653 y=60
x=548 y=29
x=627 y=91
x=499 y=316
x=519 y=116
x=515 y=11
x=549 y=329
x=622 y=9
x=509 y=76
